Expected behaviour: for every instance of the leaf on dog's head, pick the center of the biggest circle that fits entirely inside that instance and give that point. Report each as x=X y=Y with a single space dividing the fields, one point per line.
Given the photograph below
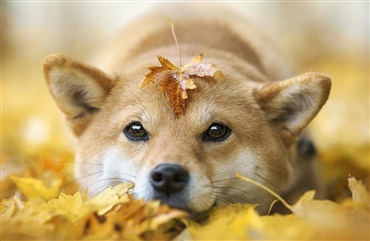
x=177 y=80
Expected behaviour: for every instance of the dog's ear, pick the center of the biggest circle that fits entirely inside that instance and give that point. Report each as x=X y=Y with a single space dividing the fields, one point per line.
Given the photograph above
x=291 y=104
x=78 y=89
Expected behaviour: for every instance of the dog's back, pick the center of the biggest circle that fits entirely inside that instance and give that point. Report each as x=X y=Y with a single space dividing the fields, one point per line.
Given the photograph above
x=197 y=26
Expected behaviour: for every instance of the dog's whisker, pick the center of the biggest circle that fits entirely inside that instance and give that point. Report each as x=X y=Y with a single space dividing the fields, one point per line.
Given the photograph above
x=205 y=204
x=121 y=173
x=223 y=199
x=259 y=179
x=81 y=178
x=235 y=197
x=110 y=179
x=230 y=173
x=106 y=185
x=98 y=190
x=77 y=180
x=276 y=170
x=240 y=190
x=102 y=180
x=226 y=179
x=268 y=182
x=95 y=173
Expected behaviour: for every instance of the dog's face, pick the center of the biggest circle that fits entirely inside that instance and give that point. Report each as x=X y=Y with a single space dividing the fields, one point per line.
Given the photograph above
x=229 y=126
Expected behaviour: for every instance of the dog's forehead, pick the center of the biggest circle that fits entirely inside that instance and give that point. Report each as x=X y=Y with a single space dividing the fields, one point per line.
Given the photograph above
x=212 y=100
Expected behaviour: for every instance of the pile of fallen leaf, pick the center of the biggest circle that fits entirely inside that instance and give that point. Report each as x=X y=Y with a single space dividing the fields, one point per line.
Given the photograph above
x=38 y=211
x=311 y=220
x=113 y=214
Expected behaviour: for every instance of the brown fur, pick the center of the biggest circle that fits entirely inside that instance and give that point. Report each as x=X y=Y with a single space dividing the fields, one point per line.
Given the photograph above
x=266 y=113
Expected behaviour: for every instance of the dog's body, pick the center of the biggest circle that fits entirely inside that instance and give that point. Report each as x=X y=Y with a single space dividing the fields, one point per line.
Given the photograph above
x=247 y=122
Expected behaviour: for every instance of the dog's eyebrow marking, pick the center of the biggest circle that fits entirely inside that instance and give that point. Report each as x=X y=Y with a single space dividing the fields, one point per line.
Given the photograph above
x=210 y=104
x=207 y=113
x=144 y=115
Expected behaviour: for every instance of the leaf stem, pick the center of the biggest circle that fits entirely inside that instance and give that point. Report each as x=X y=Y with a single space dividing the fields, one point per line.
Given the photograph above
x=177 y=43
x=267 y=190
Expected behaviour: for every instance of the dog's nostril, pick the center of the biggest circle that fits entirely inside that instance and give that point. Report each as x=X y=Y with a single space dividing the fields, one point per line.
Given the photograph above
x=157 y=177
x=169 y=178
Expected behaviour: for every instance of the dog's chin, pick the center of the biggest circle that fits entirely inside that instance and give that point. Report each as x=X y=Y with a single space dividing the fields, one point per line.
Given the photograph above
x=198 y=216
x=179 y=203
x=194 y=215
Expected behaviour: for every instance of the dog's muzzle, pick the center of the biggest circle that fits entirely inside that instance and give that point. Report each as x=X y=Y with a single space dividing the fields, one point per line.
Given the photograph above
x=171 y=185
x=168 y=179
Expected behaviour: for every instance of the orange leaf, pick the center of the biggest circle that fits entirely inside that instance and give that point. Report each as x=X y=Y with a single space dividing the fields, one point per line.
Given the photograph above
x=175 y=95
x=177 y=80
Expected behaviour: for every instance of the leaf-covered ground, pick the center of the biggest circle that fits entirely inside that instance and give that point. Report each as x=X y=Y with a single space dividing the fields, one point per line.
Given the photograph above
x=41 y=212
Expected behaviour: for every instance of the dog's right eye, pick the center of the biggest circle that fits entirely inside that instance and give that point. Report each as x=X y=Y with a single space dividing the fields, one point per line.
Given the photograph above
x=136 y=132
x=217 y=132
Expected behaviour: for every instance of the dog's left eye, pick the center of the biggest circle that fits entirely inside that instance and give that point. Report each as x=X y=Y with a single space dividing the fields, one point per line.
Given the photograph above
x=216 y=133
x=136 y=132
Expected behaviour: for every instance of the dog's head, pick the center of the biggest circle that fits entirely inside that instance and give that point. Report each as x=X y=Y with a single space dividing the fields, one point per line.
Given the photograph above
x=233 y=125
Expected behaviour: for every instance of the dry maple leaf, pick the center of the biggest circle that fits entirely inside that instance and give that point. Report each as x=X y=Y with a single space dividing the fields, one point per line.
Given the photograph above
x=177 y=80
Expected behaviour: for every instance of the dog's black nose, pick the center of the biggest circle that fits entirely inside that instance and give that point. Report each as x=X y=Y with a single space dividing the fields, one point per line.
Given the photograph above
x=169 y=178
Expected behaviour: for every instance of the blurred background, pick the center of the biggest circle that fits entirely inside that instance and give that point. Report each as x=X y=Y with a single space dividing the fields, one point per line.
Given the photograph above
x=329 y=37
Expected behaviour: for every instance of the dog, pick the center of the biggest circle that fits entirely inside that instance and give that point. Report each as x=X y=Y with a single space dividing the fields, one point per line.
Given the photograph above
x=249 y=122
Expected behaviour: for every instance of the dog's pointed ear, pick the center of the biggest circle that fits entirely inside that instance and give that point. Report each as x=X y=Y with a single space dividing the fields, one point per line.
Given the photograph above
x=78 y=89
x=291 y=104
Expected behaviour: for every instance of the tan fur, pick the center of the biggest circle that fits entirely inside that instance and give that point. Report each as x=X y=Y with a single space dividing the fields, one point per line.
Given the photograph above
x=266 y=115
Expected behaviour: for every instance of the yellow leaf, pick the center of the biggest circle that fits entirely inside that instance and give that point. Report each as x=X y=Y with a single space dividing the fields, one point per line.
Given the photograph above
x=323 y=219
x=331 y=220
x=8 y=208
x=33 y=188
x=235 y=222
x=110 y=197
x=24 y=220
x=287 y=227
x=131 y=221
x=67 y=206
x=359 y=194
x=316 y=210
x=159 y=214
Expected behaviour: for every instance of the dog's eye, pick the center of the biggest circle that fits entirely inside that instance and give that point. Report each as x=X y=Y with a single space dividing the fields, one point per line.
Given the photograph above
x=216 y=133
x=136 y=132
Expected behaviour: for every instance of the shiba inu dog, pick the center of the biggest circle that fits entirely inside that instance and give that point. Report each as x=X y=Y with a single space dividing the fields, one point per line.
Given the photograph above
x=249 y=122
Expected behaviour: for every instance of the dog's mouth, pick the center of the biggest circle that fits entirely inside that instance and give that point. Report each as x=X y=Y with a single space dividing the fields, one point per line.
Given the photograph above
x=200 y=216
x=181 y=204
